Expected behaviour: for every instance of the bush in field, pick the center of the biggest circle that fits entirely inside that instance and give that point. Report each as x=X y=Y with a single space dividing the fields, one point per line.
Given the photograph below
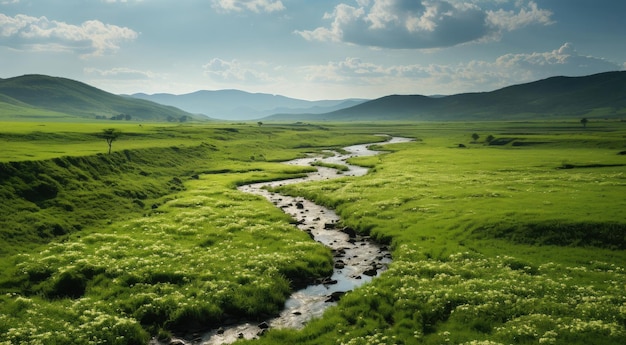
x=68 y=284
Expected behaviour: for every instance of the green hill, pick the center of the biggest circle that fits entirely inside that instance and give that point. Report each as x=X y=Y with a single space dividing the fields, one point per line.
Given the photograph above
x=600 y=95
x=34 y=96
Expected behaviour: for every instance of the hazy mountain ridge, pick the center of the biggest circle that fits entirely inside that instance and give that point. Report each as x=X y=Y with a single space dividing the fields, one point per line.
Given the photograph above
x=32 y=95
x=598 y=95
x=241 y=105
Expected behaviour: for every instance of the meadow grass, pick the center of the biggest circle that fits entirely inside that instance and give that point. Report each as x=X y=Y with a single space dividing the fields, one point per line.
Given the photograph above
x=145 y=241
x=27 y=141
x=520 y=242
x=491 y=244
x=209 y=254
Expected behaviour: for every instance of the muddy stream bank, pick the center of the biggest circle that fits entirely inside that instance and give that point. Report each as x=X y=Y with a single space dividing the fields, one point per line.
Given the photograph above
x=357 y=259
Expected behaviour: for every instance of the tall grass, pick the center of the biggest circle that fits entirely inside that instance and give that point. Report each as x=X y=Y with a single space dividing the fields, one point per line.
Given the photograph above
x=116 y=248
x=492 y=244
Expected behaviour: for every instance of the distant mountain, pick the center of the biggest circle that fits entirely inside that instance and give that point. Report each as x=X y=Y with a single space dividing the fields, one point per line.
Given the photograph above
x=598 y=95
x=241 y=105
x=53 y=97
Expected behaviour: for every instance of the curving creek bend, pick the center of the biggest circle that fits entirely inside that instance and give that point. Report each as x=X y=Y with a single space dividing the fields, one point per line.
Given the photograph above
x=357 y=259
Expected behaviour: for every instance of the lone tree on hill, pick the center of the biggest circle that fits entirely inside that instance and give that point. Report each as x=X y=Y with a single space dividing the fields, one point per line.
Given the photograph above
x=584 y=122
x=475 y=136
x=110 y=135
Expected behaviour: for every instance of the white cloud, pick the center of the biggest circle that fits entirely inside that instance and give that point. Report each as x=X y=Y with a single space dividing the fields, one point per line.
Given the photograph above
x=355 y=71
x=120 y=1
x=92 y=37
x=509 y=69
x=510 y=20
x=410 y=24
x=257 y=6
x=121 y=73
x=563 y=61
x=342 y=16
x=476 y=75
x=235 y=71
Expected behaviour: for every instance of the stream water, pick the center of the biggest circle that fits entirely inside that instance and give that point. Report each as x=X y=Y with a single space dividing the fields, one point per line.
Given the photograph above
x=357 y=259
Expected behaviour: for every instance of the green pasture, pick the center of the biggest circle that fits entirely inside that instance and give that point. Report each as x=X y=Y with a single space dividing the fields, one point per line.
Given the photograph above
x=37 y=141
x=492 y=244
x=25 y=141
x=519 y=240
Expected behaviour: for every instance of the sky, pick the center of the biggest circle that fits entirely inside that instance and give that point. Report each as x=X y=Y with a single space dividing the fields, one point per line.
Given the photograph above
x=311 y=50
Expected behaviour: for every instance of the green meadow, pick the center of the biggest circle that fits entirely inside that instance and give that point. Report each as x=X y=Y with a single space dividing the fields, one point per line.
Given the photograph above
x=517 y=237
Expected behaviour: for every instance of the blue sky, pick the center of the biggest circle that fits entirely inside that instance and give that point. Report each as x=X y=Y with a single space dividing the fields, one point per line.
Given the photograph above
x=311 y=49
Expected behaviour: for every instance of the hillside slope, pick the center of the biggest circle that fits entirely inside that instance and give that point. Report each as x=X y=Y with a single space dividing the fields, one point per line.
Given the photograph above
x=45 y=96
x=599 y=95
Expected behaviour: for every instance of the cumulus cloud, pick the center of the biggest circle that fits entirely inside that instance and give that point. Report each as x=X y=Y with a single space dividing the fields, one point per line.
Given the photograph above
x=563 y=61
x=235 y=71
x=257 y=6
x=120 y=73
x=121 y=1
x=412 y=24
x=527 y=14
x=476 y=75
x=92 y=38
x=350 y=69
x=356 y=71
x=508 y=69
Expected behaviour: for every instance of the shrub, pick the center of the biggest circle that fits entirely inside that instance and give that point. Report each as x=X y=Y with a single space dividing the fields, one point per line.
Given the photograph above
x=67 y=284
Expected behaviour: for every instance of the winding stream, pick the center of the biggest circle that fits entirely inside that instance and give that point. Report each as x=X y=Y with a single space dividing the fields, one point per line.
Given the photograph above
x=357 y=259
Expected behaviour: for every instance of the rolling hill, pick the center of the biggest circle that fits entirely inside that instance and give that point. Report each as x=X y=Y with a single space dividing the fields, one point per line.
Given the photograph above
x=598 y=95
x=40 y=96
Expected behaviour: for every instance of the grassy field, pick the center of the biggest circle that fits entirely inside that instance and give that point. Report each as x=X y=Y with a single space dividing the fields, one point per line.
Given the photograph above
x=521 y=241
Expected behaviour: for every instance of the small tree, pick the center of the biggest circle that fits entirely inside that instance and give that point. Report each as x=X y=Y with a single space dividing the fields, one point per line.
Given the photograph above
x=110 y=135
x=490 y=138
x=475 y=136
x=260 y=123
x=584 y=121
